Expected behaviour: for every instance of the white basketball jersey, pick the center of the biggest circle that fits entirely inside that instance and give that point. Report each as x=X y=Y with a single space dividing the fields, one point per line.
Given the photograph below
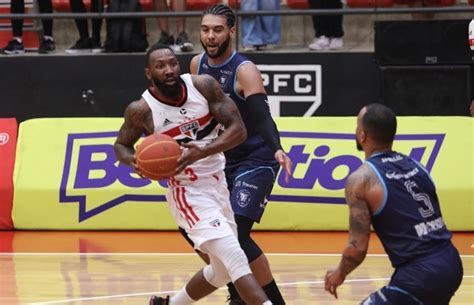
x=190 y=122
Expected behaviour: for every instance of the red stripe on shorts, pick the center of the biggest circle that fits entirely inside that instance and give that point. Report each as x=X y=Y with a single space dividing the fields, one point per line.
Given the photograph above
x=180 y=205
x=196 y=218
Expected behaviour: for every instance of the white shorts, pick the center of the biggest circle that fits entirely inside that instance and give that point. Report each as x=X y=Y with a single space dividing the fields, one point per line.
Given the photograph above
x=203 y=209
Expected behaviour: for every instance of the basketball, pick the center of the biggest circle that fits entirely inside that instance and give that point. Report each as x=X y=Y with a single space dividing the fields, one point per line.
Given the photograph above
x=157 y=156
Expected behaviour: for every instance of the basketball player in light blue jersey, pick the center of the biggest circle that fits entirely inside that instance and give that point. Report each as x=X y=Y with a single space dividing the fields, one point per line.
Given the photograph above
x=395 y=194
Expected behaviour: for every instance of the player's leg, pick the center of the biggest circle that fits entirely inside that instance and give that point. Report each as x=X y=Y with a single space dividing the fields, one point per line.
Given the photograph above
x=202 y=255
x=250 y=189
x=432 y=279
x=390 y=296
x=225 y=265
x=257 y=260
x=235 y=264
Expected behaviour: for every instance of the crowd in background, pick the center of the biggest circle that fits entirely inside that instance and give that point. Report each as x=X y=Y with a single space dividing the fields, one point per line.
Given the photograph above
x=257 y=33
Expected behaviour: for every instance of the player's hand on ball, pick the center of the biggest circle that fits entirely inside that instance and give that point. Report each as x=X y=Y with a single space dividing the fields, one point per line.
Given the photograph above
x=135 y=167
x=191 y=153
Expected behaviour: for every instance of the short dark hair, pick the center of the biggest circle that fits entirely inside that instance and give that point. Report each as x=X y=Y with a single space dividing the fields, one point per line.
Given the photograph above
x=222 y=10
x=380 y=123
x=153 y=48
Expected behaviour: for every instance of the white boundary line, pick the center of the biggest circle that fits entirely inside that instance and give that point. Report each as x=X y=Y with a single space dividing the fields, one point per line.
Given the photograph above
x=175 y=291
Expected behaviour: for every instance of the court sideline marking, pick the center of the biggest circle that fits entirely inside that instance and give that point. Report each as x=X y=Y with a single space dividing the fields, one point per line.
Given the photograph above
x=175 y=254
x=222 y=288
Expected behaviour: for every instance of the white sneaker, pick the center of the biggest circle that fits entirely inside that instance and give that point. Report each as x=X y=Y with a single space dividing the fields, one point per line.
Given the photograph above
x=319 y=43
x=336 y=43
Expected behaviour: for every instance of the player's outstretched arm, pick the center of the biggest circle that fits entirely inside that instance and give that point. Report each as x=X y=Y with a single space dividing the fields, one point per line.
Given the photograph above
x=359 y=230
x=129 y=133
x=249 y=82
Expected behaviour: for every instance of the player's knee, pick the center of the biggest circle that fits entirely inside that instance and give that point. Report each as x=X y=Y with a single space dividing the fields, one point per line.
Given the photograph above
x=251 y=249
x=236 y=263
x=244 y=227
x=216 y=279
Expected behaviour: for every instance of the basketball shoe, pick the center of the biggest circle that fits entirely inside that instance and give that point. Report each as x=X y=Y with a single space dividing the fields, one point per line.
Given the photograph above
x=154 y=300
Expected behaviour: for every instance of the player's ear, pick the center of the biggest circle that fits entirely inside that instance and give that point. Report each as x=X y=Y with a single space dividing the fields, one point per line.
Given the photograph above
x=232 y=32
x=363 y=136
x=147 y=73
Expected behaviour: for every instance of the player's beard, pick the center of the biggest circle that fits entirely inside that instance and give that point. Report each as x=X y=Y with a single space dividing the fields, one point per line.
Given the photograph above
x=171 y=91
x=220 y=50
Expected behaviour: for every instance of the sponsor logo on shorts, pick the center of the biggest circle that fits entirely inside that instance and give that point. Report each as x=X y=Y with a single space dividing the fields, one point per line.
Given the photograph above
x=215 y=223
x=240 y=183
x=243 y=198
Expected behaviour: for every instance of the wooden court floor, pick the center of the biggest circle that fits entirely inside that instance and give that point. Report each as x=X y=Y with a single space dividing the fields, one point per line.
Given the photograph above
x=95 y=268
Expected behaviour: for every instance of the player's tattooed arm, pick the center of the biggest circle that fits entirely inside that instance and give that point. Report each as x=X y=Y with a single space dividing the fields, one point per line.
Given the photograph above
x=359 y=230
x=359 y=220
x=225 y=111
x=130 y=131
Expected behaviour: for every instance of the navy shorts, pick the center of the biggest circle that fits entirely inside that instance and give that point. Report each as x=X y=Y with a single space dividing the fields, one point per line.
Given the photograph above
x=250 y=183
x=432 y=280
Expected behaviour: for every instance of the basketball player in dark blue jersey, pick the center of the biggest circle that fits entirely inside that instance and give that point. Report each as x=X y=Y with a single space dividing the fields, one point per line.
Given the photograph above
x=252 y=167
x=395 y=194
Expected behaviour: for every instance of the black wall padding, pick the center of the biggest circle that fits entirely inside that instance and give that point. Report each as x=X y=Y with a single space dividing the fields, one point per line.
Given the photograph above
x=417 y=42
x=427 y=90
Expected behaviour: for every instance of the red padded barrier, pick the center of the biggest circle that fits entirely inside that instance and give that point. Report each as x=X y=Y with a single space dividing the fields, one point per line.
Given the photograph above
x=63 y=5
x=234 y=3
x=369 y=3
x=8 y=135
x=195 y=5
x=427 y=2
x=298 y=4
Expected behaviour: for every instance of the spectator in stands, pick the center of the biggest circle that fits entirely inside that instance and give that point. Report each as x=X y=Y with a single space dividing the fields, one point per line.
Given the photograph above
x=472 y=108
x=87 y=44
x=15 y=46
x=328 y=30
x=260 y=31
x=182 y=42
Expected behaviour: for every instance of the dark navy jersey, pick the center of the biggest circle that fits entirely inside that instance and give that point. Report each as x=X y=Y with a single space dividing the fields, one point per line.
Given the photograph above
x=226 y=75
x=409 y=221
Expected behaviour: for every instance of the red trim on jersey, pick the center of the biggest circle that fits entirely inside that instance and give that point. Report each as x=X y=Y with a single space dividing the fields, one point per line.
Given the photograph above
x=176 y=131
x=166 y=100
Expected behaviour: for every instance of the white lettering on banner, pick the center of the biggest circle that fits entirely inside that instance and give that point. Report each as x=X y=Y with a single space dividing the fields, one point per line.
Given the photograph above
x=292 y=83
x=4 y=137
x=424 y=228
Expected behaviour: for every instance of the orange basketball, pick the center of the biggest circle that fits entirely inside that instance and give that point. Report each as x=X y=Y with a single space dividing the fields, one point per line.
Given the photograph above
x=157 y=156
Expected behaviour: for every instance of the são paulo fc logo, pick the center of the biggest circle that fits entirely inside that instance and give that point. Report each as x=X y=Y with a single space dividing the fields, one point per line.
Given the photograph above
x=4 y=137
x=243 y=198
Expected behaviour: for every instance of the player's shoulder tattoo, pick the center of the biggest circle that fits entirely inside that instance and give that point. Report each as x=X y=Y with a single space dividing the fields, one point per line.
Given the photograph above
x=137 y=111
x=356 y=185
x=207 y=85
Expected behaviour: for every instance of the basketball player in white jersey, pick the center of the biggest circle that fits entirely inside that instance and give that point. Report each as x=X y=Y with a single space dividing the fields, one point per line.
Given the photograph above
x=189 y=108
